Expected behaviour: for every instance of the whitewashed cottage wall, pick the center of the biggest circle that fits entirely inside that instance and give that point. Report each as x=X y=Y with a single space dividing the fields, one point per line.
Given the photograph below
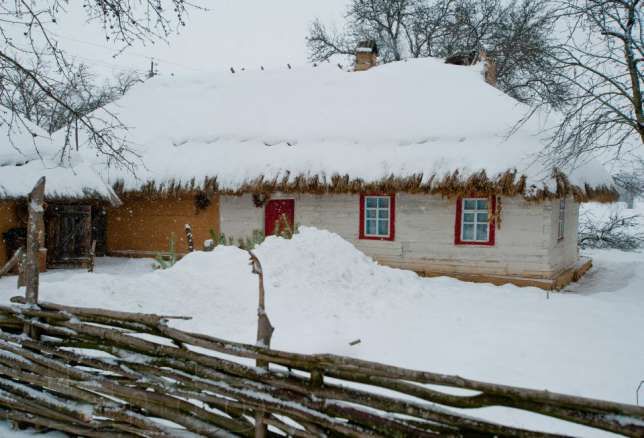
x=563 y=253
x=425 y=233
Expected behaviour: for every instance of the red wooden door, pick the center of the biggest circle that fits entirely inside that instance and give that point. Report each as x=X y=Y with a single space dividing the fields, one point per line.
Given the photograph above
x=275 y=212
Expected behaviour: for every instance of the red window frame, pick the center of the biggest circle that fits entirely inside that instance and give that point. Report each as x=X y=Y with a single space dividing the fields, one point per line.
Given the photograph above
x=459 y=222
x=392 y=217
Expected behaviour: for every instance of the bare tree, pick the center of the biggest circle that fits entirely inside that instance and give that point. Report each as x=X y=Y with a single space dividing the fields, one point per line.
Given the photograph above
x=618 y=231
x=80 y=91
x=630 y=180
x=516 y=34
x=601 y=60
x=382 y=20
x=427 y=28
x=324 y=43
x=31 y=55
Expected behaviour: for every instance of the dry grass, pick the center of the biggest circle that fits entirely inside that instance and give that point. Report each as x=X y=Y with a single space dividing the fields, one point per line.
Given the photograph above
x=450 y=185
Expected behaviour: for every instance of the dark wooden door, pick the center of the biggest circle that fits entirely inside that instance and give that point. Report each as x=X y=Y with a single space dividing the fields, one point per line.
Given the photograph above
x=99 y=230
x=69 y=234
x=277 y=210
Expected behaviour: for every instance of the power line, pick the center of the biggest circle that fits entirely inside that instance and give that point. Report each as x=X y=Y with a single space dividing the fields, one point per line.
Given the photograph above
x=129 y=53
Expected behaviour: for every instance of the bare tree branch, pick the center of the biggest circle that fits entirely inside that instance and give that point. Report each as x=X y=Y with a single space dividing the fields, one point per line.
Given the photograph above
x=38 y=83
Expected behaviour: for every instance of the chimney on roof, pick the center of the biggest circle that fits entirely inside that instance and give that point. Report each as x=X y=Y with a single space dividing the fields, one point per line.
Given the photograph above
x=366 y=55
x=473 y=57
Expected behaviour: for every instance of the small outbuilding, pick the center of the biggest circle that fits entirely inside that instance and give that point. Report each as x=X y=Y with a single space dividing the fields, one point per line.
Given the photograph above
x=76 y=198
x=410 y=161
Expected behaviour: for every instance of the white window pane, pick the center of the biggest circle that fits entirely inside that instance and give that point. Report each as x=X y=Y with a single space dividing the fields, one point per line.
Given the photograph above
x=383 y=213
x=371 y=213
x=383 y=228
x=469 y=204
x=481 y=204
x=468 y=232
x=371 y=227
x=481 y=232
x=371 y=202
x=468 y=217
x=383 y=202
x=481 y=217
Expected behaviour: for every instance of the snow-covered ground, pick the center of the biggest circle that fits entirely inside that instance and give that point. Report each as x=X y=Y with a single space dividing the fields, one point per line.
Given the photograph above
x=323 y=293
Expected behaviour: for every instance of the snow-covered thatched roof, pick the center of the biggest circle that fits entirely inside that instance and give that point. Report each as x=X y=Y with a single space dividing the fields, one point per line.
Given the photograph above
x=419 y=126
x=28 y=153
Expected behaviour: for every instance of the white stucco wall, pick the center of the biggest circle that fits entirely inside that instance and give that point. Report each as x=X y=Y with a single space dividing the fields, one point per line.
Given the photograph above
x=425 y=233
x=563 y=253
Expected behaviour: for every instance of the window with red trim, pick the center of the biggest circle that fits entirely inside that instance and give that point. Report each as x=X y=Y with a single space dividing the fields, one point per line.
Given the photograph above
x=377 y=217
x=474 y=221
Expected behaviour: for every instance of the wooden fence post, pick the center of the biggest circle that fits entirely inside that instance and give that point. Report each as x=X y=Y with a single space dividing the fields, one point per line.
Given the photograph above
x=35 y=238
x=264 y=335
x=91 y=263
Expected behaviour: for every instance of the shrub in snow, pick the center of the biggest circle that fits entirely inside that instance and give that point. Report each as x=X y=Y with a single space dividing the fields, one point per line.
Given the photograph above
x=165 y=261
x=283 y=228
x=217 y=239
x=251 y=242
x=616 y=230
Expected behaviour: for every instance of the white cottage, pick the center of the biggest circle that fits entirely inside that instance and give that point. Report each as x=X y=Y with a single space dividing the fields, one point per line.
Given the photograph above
x=409 y=161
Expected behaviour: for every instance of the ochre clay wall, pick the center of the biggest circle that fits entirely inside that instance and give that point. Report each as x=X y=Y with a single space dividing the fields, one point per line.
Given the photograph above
x=7 y=220
x=142 y=226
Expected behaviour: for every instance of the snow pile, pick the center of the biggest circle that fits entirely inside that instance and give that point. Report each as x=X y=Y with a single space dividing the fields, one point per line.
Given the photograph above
x=315 y=266
x=28 y=153
x=420 y=116
x=331 y=268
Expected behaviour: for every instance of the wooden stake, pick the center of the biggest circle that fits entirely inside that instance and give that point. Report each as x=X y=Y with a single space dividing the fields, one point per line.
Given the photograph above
x=264 y=335
x=92 y=257
x=35 y=238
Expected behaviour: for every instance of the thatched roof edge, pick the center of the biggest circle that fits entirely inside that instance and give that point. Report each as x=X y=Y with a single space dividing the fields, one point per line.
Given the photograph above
x=450 y=185
x=87 y=196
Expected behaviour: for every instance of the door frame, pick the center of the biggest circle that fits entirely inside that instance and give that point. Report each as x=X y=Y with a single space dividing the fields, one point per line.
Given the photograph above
x=290 y=202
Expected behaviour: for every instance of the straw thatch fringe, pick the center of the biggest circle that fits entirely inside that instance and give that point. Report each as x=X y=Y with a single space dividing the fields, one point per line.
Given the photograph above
x=88 y=196
x=509 y=183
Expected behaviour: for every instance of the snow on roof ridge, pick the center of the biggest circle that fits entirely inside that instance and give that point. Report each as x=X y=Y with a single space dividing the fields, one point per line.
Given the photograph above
x=401 y=120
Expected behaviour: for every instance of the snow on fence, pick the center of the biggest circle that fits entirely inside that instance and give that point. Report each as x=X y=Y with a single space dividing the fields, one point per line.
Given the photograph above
x=207 y=386
x=101 y=373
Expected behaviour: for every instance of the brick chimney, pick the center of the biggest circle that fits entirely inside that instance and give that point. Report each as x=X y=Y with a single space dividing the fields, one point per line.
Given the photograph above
x=474 y=57
x=366 y=55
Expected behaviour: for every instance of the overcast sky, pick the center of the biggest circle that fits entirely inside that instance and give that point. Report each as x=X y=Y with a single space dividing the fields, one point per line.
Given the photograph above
x=239 y=33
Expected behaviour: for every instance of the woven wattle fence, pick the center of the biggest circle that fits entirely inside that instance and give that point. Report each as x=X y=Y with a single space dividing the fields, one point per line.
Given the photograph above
x=96 y=372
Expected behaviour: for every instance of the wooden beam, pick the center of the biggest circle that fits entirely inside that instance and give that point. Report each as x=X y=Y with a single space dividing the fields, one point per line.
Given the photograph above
x=15 y=258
